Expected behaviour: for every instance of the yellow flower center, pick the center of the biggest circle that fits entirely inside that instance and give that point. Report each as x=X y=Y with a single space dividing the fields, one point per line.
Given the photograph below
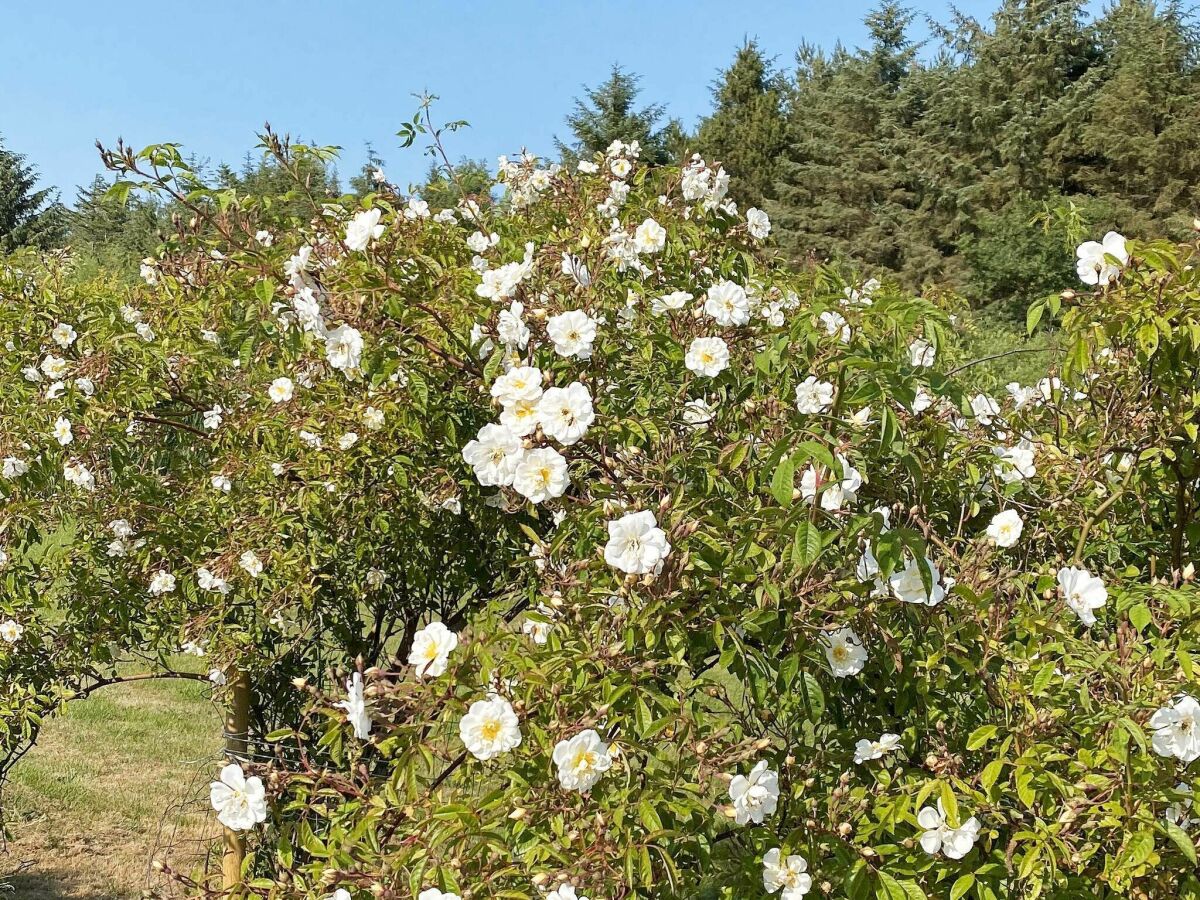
x=584 y=759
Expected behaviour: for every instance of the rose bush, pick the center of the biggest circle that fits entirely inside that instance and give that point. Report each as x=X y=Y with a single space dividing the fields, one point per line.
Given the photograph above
x=611 y=558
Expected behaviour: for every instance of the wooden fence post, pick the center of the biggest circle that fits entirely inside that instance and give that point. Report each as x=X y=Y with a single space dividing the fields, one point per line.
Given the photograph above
x=237 y=728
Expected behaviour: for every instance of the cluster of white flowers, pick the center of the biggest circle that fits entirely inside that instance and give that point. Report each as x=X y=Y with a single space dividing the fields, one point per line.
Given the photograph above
x=707 y=187
x=524 y=453
x=500 y=284
x=525 y=179
x=343 y=344
x=498 y=455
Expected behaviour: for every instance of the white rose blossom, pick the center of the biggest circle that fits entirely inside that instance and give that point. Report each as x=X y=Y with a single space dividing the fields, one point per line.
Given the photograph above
x=281 y=390
x=867 y=750
x=671 y=302
x=1177 y=729
x=756 y=795
x=11 y=631
x=355 y=706
x=431 y=649
x=240 y=802
x=1179 y=813
x=707 y=357
x=581 y=761
x=494 y=454
x=62 y=431
x=162 y=583
x=908 y=585
x=921 y=353
x=813 y=395
x=573 y=333
x=1082 y=592
x=1005 y=528
x=250 y=562
x=364 y=228
x=728 y=303
x=565 y=414
x=343 y=348
x=845 y=652
x=835 y=493
x=63 y=335
x=541 y=475
x=955 y=843
x=490 y=728
x=758 y=223
x=518 y=383
x=789 y=875
x=636 y=545
x=650 y=237
x=1092 y=259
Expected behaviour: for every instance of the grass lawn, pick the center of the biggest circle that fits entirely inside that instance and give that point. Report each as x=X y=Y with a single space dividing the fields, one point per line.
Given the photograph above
x=116 y=779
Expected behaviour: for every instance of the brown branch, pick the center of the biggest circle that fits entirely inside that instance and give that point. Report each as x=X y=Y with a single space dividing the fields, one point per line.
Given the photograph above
x=170 y=423
x=976 y=362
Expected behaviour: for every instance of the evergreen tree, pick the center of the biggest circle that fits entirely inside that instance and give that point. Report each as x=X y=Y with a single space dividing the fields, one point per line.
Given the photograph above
x=263 y=176
x=610 y=113
x=844 y=188
x=364 y=182
x=1139 y=136
x=747 y=131
x=472 y=178
x=27 y=215
x=113 y=233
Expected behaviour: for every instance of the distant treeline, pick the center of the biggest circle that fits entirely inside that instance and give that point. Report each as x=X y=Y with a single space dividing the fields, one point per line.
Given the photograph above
x=971 y=162
x=975 y=166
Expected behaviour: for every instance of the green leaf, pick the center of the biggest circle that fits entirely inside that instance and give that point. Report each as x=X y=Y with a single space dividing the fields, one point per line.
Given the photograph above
x=813 y=696
x=1033 y=316
x=889 y=888
x=264 y=290
x=119 y=192
x=962 y=885
x=1025 y=792
x=1137 y=849
x=889 y=429
x=990 y=773
x=783 y=481
x=1139 y=616
x=1183 y=841
x=806 y=547
x=950 y=805
x=733 y=455
x=981 y=736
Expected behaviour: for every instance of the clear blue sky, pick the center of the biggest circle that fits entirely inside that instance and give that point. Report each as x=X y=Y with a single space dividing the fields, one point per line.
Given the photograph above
x=208 y=73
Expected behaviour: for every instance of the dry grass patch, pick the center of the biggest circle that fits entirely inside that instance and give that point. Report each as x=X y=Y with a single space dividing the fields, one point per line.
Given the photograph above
x=117 y=778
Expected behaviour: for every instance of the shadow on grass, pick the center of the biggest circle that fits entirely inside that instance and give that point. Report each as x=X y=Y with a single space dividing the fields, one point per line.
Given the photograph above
x=33 y=886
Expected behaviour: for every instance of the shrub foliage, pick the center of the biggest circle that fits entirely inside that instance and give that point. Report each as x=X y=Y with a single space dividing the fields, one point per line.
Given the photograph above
x=750 y=589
